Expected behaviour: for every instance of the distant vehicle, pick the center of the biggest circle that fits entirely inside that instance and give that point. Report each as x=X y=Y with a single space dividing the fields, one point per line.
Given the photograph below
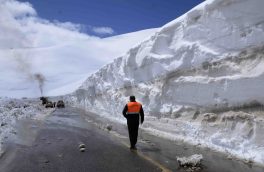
x=44 y=100
x=49 y=105
x=60 y=104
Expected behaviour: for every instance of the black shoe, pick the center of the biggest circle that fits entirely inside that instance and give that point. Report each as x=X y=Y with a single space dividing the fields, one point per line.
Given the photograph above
x=133 y=148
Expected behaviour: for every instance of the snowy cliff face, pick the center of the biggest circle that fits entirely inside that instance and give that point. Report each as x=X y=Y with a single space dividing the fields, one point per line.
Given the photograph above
x=209 y=60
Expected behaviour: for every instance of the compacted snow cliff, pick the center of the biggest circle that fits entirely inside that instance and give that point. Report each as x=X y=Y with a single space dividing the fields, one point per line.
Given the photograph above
x=200 y=79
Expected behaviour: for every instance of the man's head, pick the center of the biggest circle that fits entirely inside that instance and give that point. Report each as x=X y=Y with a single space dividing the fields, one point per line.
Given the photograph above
x=132 y=98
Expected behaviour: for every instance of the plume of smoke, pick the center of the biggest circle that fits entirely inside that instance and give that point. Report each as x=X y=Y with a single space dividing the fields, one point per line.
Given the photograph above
x=24 y=66
x=41 y=79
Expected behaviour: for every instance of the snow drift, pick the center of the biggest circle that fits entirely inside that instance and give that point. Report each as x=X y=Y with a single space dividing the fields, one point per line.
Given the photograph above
x=196 y=77
x=12 y=110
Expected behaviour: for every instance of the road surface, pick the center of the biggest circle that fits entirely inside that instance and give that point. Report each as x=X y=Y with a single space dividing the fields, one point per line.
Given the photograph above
x=52 y=145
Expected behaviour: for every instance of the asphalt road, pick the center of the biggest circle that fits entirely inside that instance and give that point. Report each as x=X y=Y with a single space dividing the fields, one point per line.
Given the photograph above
x=53 y=146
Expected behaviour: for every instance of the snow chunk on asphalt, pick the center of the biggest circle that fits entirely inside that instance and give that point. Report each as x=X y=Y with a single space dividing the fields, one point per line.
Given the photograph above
x=193 y=160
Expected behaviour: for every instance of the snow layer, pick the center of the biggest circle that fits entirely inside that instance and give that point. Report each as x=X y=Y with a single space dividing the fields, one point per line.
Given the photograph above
x=211 y=59
x=12 y=110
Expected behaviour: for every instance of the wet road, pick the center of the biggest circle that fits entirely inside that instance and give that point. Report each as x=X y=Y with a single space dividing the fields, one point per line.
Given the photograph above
x=53 y=146
x=165 y=151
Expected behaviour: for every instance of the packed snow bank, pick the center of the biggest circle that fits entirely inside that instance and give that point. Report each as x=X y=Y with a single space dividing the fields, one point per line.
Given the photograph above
x=237 y=133
x=12 y=110
x=209 y=60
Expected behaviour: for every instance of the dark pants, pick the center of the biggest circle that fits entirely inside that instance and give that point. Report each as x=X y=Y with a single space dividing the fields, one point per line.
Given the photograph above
x=132 y=124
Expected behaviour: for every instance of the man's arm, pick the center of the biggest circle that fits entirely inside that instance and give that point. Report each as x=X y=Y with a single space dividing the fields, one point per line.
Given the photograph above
x=142 y=114
x=125 y=111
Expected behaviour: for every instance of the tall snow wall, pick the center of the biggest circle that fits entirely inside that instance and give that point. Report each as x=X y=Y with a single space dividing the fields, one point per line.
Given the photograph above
x=210 y=59
x=213 y=56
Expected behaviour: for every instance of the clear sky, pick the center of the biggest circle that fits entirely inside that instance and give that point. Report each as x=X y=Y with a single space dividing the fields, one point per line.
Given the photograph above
x=122 y=16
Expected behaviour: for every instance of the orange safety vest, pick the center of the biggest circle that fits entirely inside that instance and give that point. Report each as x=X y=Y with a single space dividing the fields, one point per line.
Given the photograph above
x=133 y=107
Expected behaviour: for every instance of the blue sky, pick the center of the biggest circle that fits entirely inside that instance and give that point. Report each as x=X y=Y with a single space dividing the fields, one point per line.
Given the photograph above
x=122 y=16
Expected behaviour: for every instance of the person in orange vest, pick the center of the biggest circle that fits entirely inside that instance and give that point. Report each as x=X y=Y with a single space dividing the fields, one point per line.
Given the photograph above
x=131 y=112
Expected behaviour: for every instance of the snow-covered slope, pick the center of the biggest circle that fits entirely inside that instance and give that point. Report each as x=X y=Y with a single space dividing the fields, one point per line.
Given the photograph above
x=62 y=66
x=57 y=57
x=209 y=60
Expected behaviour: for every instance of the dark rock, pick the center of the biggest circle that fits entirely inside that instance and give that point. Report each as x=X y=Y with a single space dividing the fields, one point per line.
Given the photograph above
x=3 y=124
x=109 y=127
x=82 y=150
x=82 y=145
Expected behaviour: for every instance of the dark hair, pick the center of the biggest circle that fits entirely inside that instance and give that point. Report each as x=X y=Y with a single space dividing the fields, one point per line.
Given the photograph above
x=132 y=98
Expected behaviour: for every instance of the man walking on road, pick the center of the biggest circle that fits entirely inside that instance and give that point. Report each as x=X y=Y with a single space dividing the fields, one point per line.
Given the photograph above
x=131 y=112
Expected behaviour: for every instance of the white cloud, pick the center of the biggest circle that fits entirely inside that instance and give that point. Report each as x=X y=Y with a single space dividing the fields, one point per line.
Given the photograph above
x=16 y=8
x=70 y=26
x=103 y=30
x=20 y=27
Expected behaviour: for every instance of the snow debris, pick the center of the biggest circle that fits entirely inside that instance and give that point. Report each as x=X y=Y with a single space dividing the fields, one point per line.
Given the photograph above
x=12 y=110
x=82 y=145
x=82 y=149
x=109 y=127
x=193 y=160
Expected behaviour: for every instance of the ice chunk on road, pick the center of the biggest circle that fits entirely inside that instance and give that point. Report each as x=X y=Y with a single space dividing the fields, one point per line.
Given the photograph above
x=193 y=160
